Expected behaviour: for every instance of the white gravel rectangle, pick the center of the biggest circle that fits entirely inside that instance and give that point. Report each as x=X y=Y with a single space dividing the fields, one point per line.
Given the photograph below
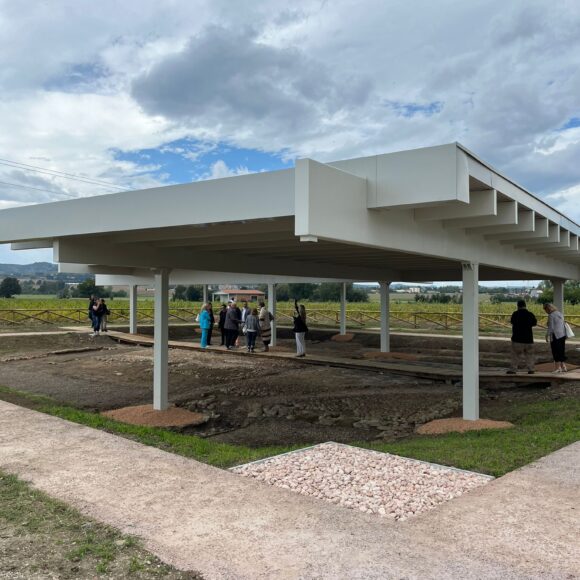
x=369 y=481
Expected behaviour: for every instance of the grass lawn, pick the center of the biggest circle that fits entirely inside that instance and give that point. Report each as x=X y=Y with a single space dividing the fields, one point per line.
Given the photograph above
x=540 y=428
x=44 y=538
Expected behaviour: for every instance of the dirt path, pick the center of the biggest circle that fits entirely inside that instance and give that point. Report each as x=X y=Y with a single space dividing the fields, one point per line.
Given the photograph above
x=197 y=517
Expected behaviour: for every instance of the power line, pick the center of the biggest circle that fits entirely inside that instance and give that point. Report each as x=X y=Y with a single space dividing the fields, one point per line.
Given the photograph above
x=39 y=189
x=55 y=173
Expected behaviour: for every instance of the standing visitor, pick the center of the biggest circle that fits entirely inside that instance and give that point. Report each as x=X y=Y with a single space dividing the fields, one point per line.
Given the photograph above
x=556 y=336
x=212 y=320
x=245 y=311
x=265 y=318
x=222 y=322
x=522 y=338
x=239 y=316
x=92 y=301
x=104 y=316
x=232 y=324
x=252 y=326
x=97 y=315
x=205 y=325
x=300 y=329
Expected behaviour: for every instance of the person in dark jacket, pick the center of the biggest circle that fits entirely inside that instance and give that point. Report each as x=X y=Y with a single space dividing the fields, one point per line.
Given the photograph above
x=522 y=338
x=232 y=325
x=98 y=311
x=221 y=323
x=300 y=329
x=92 y=301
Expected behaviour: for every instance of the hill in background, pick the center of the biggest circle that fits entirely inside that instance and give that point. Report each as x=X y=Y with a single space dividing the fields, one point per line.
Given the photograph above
x=38 y=269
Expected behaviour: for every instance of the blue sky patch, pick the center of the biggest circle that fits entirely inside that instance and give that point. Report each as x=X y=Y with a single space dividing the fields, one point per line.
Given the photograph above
x=414 y=109
x=76 y=76
x=571 y=123
x=186 y=160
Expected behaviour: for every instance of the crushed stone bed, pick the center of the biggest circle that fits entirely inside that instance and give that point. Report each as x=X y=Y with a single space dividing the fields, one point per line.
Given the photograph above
x=369 y=481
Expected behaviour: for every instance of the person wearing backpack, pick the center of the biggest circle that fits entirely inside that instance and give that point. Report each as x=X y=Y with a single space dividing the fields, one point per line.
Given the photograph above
x=104 y=316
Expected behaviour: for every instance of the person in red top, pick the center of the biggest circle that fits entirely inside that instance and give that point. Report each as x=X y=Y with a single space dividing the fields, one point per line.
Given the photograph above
x=522 y=338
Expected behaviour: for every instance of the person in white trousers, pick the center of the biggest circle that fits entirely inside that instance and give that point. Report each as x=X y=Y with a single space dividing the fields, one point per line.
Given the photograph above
x=300 y=329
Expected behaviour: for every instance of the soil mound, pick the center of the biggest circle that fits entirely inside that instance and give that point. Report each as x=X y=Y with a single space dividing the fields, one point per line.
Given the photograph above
x=146 y=415
x=342 y=337
x=458 y=425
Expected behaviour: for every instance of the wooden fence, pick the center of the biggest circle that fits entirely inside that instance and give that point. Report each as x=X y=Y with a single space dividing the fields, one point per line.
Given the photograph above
x=409 y=319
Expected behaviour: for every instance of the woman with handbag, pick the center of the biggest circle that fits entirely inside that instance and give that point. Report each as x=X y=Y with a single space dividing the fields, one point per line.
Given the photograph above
x=556 y=336
x=300 y=329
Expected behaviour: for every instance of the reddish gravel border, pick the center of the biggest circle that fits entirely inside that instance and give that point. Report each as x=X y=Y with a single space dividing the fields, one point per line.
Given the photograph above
x=146 y=415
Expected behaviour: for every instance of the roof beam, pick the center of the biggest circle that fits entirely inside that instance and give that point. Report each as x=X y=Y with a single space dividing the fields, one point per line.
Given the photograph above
x=507 y=215
x=552 y=239
x=526 y=222
x=481 y=204
x=541 y=231
x=31 y=245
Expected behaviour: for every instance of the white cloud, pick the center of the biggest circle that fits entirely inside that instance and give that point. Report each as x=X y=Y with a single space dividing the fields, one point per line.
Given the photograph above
x=567 y=201
x=220 y=169
x=319 y=79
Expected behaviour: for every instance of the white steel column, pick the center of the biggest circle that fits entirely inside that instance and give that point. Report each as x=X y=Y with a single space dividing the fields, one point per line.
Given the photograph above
x=558 y=286
x=204 y=293
x=470 y=341
x=343 y=308
x=161 y=338
x=133 y=309
x=385 y=319
x=272 y=309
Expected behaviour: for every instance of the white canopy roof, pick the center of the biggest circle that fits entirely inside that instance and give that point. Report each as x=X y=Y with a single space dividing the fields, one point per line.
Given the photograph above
x=406 y=216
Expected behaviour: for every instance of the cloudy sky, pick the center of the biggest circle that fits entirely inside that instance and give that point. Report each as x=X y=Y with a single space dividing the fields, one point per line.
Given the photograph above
x=143 y=93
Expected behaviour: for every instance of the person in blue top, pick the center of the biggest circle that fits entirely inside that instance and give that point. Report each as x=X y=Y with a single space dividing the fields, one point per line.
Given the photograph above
x=205 y=324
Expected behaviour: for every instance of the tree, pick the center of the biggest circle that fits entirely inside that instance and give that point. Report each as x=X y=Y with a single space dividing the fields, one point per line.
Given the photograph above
x=193 y=294
x=179 y=292
x=302 y=291
x=9 y=287
x=86 y=289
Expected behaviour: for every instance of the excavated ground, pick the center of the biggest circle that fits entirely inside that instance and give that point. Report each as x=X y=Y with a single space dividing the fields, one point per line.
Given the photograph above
x=257 y=401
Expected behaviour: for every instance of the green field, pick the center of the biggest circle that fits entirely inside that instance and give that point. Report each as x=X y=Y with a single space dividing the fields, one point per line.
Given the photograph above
x=405 y=315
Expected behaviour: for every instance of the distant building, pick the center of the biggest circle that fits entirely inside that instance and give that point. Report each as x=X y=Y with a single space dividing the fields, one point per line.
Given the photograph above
x=535 y=293
x=238 y=295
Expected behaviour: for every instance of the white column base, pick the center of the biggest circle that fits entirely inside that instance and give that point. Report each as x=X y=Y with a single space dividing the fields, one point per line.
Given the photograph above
x=470 y=341
x=272 y=309
x=343 y=308
x=558 y=286
x=385 y=318
x=133 y=309
x=161 y=340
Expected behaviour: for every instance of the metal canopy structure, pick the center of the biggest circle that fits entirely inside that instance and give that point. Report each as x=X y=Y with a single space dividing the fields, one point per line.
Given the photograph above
x=431 y=214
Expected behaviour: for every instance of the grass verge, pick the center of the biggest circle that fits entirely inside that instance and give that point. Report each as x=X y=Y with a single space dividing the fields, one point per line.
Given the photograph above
x=44 y=538
x=540 y=428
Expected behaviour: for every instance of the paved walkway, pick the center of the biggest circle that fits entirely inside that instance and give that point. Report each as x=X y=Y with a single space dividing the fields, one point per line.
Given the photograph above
x=524 y=525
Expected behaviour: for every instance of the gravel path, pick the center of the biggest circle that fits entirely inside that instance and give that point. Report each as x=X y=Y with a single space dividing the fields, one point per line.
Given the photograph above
x=369 y=481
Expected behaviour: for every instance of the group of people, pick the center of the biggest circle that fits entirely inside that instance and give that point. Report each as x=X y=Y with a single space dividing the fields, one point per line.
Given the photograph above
x=98 y=314
x=253 y=323
x=234 y=320
x=523 y=321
